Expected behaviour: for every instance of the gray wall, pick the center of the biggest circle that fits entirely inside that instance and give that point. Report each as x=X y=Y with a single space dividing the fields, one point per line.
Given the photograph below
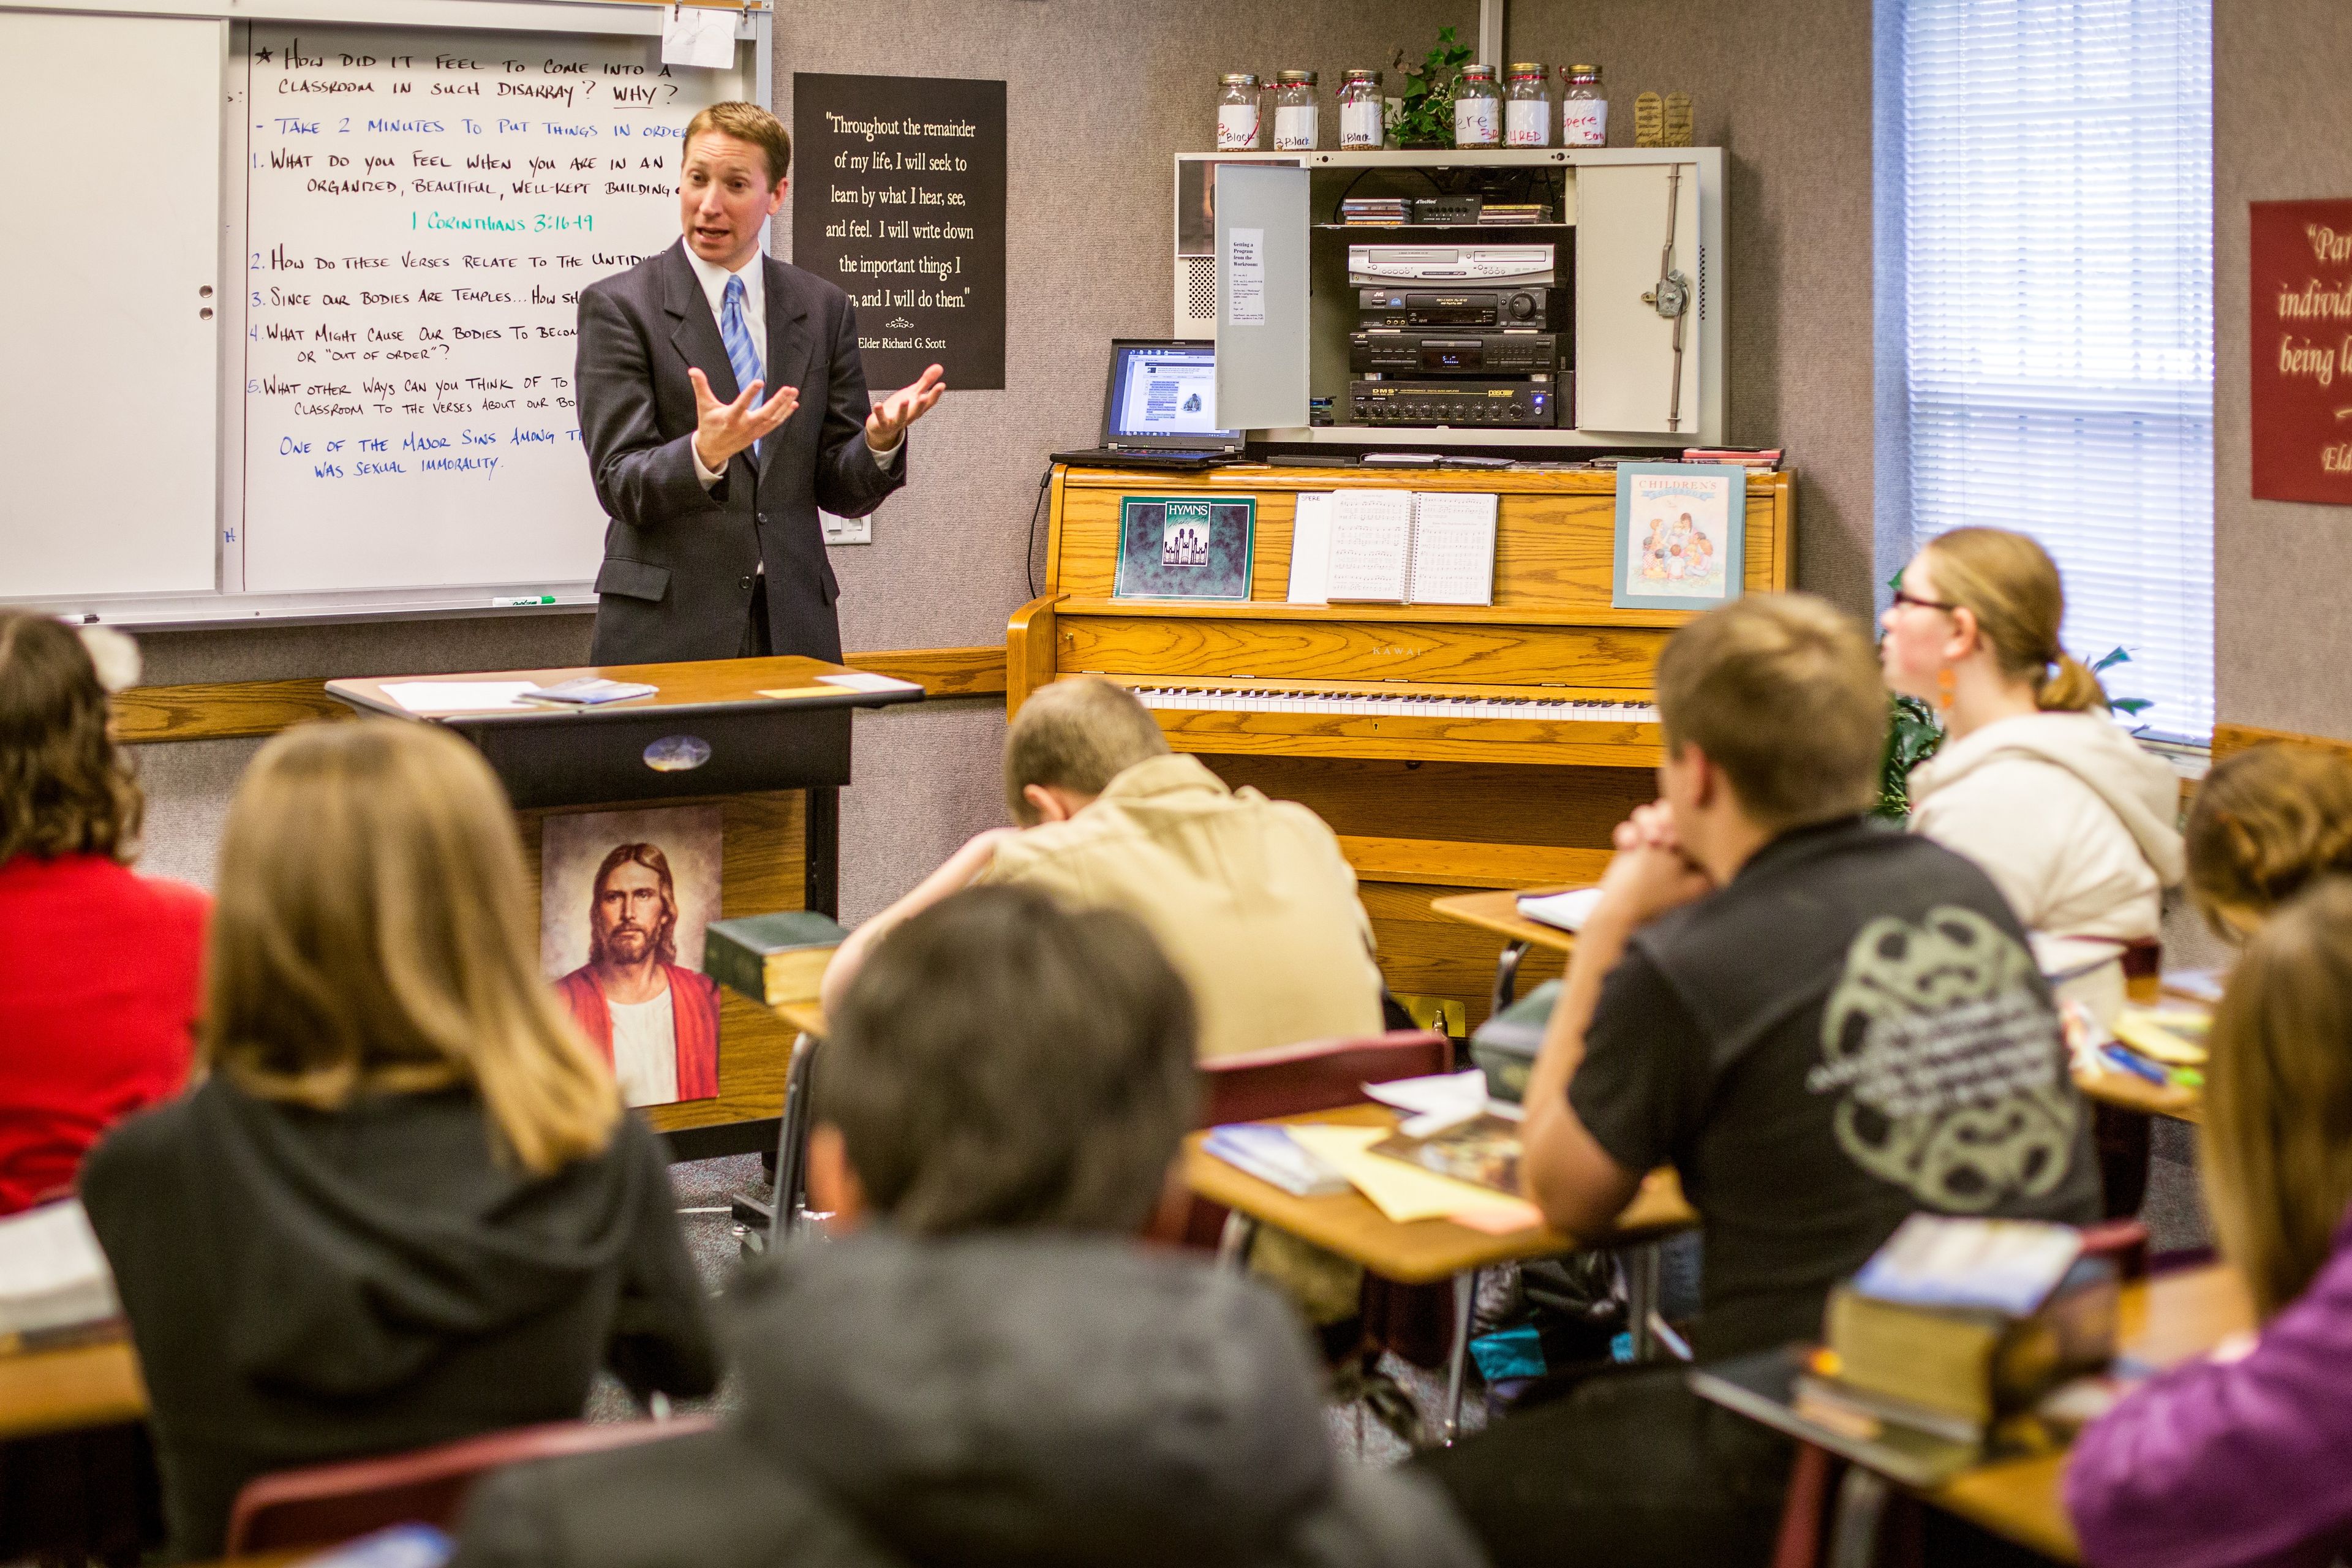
x=2281 y=621
x=1101 y=94
x=1785 y=90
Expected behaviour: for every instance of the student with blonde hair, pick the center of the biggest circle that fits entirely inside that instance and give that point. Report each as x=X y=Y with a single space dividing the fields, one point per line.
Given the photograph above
x=405 y=1206
x=2266 y=823
x=2072 y=820
x=2248 y=1458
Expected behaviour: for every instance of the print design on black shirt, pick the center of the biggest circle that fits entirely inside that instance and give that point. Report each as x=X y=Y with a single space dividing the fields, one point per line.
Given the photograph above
x=1949 y=1062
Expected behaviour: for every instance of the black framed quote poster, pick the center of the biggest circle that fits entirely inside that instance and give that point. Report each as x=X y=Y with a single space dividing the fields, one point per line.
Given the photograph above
x=898 y=198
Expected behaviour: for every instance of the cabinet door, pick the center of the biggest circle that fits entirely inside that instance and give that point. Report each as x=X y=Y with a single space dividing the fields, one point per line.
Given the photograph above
x=1627 y=377
x=1261 y=297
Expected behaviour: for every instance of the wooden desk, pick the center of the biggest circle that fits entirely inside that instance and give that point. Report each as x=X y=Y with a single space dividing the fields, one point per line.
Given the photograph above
x=1498 y=912
x=2164 y=1321
x=2128 y=1093
x=1423 y=1252
x=773 y=766
x=65 y=1390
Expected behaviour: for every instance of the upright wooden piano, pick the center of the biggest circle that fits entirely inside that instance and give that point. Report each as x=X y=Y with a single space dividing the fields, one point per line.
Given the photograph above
x=1451 y=748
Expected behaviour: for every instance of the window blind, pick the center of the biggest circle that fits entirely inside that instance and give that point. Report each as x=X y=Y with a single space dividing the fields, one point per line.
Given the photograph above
x=2058 y=165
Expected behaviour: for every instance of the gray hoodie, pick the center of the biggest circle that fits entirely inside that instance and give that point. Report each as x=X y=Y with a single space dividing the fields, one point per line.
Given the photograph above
x=2076 y=824
x=1001 y=1398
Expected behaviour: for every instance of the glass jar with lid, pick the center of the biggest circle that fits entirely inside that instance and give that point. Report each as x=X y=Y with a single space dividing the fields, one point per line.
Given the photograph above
x=1361 y=112
x=1296 y=113
x=1526 y=106
x=1477 y=109
x=1584 y=112
x=1237 y=116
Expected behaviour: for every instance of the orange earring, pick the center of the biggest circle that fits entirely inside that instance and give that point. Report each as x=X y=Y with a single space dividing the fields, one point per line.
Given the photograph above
x=1947 y=686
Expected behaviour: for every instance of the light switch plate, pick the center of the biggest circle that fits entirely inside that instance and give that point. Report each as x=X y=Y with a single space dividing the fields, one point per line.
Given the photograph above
x=846 y=530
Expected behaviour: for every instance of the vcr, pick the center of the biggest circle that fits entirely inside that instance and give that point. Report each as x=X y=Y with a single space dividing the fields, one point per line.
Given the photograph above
x=1534 y=309
x=1453 y=353
x=1529 y=404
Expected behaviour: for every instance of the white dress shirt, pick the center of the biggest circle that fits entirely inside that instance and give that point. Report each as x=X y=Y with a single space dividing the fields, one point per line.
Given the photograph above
x=755 y=317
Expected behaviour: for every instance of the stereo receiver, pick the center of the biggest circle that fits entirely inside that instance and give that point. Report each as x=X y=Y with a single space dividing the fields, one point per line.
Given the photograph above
x=1531 y=404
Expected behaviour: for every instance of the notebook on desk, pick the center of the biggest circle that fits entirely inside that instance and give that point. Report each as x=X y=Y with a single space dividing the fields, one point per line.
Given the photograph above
x=1159 y=410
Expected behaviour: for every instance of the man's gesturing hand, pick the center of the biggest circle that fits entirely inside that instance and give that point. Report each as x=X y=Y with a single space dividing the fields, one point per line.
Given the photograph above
x=724 y=429
x=889 y=422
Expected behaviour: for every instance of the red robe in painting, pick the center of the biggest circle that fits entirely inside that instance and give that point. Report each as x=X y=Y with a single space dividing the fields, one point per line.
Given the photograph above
x=694 y=1008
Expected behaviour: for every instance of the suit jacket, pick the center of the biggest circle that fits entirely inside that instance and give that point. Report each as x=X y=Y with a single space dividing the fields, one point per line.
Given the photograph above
x=694 y=1017
x=679 y=560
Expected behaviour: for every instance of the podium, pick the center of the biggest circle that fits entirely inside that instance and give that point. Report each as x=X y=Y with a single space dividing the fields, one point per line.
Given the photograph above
x=772 y=767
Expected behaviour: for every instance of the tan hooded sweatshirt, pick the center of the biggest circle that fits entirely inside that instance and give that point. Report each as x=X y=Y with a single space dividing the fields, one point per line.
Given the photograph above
x=2074 y=823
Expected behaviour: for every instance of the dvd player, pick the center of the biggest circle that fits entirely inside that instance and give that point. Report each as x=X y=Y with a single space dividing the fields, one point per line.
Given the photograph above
x=1533 y=310
x=1493 y=265
x=1453 y=352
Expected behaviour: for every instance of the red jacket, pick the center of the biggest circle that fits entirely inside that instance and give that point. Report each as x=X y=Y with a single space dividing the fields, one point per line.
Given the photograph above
x=100 y=975
x=694 y=1006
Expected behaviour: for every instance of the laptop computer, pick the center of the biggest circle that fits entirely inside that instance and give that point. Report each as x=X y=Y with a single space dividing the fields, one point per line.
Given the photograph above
x=1159 y=409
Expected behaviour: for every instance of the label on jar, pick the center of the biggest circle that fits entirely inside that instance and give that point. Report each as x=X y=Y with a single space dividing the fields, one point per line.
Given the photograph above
x=1475 y=123
x=1236 y=127
x=1584 y=123
x=1359 y=123
x=1527 y=123
x=1294 y=127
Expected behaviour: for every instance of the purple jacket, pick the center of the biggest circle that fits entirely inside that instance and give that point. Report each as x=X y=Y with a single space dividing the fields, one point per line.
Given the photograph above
x=2237 y=1464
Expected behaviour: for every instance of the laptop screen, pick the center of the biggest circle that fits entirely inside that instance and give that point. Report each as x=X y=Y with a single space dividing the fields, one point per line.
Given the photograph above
x=1164 y=395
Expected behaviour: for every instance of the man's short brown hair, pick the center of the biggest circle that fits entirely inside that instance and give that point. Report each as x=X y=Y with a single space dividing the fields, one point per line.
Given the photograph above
x=745 y=122
x=1781 y=692
x=1076 y=736
x=1002 y=1060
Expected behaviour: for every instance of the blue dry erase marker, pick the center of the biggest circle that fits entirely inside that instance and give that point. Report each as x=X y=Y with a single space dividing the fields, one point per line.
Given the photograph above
x=2136 y=1065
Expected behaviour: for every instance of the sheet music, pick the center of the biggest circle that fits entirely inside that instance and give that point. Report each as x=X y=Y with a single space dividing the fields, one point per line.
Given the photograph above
x=1371 y=545
x=1310 y=551
x=1452 y=548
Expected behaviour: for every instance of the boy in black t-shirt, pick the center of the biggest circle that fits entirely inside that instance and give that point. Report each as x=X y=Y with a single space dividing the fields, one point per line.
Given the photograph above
x=1823 y=1023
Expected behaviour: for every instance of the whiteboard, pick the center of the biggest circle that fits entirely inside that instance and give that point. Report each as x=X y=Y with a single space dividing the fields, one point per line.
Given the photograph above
x=388 y=208
x=420 y=219
x=109 y=403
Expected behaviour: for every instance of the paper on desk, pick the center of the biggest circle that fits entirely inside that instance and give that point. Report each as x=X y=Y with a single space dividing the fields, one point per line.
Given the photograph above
x=1403 y=1194
x=1566 y=911
x=698 y=36
x=435 y=696
x=798 y=690
x=864 y=680
x=1434 y=1103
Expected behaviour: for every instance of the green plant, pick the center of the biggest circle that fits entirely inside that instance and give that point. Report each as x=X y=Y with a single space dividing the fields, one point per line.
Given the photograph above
x=2129 y=706
x=1912 y=737
x=1426 y=116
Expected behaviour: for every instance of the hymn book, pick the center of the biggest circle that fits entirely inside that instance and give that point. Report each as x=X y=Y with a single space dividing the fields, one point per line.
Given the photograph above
x=1393 y=547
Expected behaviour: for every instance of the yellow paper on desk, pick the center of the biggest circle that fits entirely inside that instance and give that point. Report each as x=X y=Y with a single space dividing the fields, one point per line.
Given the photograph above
x=2174 y=1036
x=799 y=691
x=1403 y=1194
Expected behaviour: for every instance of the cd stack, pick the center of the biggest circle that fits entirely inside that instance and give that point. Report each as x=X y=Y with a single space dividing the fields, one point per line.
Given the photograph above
x=1375 y=212
x=1514 y=213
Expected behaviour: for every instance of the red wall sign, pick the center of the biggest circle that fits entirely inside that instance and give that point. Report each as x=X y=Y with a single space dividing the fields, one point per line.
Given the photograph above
x=2301 y=284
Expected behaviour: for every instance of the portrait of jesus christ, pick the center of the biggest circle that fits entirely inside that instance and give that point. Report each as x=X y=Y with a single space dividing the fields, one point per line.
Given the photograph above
x=656 y=1020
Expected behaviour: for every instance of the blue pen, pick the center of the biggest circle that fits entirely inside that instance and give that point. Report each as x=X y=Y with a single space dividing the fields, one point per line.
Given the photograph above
x=2135 y=1064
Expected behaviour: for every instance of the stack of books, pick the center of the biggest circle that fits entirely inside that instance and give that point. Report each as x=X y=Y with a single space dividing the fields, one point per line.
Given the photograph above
x=1375 y=212
x=55 y=1286
x=1957 y=1324
x=1744 y=456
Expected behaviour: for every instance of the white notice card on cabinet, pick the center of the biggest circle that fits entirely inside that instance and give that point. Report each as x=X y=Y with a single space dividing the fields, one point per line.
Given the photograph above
x=1452 y=548
x=1310 y=549
x=1245 y=277
x=1371 y=545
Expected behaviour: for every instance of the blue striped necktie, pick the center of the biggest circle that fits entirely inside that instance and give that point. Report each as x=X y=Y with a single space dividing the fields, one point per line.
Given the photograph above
x=742 y=355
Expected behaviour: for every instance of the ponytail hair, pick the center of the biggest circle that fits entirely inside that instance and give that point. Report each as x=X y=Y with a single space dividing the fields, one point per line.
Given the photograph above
x=2007 y=581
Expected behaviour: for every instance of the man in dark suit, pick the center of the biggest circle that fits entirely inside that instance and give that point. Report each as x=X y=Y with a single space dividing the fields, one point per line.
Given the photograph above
x=714 y=550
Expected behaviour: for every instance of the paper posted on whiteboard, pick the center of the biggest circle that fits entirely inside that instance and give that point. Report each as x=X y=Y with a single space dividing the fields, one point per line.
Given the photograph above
x=698 y=36
x=1245 y=277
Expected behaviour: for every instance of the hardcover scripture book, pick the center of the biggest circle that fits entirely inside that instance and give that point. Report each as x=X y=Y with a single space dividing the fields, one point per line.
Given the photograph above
x=771 y=959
